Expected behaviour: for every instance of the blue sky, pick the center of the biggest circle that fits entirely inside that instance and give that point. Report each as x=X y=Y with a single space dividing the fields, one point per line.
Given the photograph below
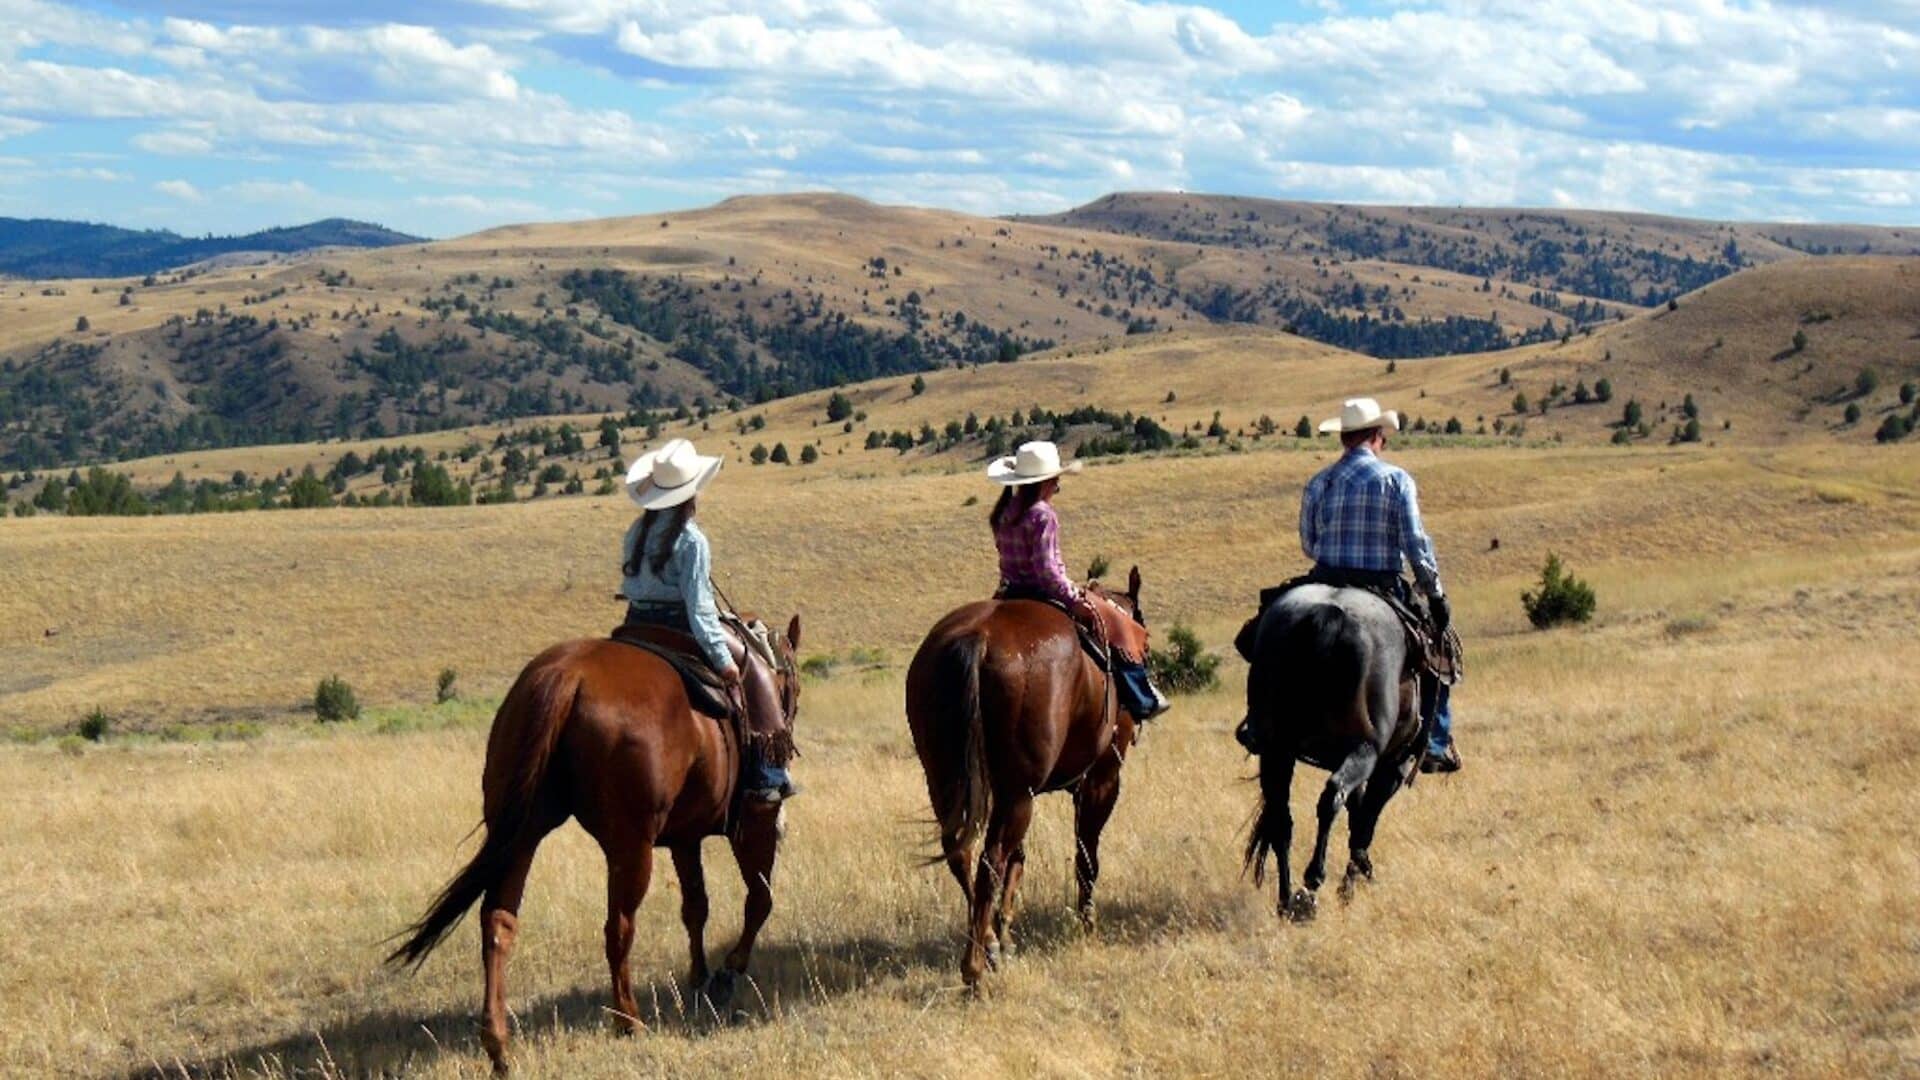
x=230 y=115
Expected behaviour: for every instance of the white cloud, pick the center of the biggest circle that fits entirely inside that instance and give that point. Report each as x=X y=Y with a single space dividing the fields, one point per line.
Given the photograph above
x=172 y=142
x=270 y=191
x=1707 y=106
x=179 y=189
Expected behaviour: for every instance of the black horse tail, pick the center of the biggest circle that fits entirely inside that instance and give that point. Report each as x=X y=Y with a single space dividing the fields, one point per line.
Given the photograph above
x=962 y=802
x=519 y=750
x=1319 y=661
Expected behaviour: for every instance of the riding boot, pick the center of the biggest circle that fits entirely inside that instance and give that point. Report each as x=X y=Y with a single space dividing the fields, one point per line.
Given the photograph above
x=769 y=743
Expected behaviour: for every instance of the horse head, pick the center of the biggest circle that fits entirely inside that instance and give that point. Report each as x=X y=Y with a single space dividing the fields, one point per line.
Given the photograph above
x=1128 y=601
x=787 y=678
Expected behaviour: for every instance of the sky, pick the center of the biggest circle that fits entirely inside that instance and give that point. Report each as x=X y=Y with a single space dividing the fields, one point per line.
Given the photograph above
x=441 y=117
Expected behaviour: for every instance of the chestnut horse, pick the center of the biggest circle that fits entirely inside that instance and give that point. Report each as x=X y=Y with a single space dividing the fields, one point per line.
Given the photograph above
x=1005 y=704
x=603 y=732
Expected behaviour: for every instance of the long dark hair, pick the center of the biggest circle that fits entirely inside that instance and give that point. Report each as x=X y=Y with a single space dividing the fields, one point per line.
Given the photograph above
x=676 y=519
x=1013 y=504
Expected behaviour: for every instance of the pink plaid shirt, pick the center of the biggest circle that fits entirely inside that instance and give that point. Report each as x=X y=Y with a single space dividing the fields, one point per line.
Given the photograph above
x=1030 y=553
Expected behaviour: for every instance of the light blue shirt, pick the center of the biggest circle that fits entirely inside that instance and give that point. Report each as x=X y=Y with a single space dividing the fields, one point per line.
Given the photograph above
x=686 y=581
x=1361 y=513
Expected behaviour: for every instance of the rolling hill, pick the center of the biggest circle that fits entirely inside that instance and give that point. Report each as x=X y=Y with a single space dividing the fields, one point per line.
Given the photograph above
x=761 y=298
x=45 y=248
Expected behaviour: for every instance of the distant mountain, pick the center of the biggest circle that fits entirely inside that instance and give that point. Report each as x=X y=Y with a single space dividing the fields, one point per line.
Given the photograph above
x=765 y=297
x=45 y=248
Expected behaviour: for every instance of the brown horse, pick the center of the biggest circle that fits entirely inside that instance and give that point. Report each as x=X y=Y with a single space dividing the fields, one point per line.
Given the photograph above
x=603 y=732
x=1005 y=704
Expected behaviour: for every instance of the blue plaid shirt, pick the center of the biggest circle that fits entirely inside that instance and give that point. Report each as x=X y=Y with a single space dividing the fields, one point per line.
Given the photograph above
x=1361 y=513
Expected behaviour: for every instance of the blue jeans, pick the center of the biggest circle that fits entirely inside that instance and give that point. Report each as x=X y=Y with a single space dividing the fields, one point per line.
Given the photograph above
x=1131 y=686
x=762 y=774
x=1440 y=739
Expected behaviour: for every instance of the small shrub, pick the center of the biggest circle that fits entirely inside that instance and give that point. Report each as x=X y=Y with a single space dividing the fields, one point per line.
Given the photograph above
x=443 y=686
x=1865 y=383
x=818 y=667
x=1184 y=667
x=72 y=745
x=1685 y=625
x=95 y=726
x=1562 y=598
x=1908 y=392
x=1852 y=414
x=1098 y=568
x=839 y=407
x=1892 y=429
x=333 y=700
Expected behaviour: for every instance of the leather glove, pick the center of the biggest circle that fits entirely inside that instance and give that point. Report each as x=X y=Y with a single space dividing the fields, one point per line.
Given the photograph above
x=1442 y=613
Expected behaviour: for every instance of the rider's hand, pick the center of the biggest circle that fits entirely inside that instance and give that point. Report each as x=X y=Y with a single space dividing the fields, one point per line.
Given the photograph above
x=731 y=676
x=1442 y=612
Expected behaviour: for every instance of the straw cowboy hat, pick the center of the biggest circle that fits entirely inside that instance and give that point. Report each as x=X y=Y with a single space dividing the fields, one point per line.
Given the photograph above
x=1359 y=414
x=1032 y=463
x=669 y=476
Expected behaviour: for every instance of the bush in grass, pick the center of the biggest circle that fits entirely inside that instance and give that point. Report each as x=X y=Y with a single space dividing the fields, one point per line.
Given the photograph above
x=1562 y=598
x=1184 y=666
x=95 y=726
x=1098 y=568
x=333 y=700
x=443 y=686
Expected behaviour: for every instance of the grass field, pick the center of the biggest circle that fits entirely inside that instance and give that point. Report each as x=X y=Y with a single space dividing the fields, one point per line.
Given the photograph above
x=1683 y=843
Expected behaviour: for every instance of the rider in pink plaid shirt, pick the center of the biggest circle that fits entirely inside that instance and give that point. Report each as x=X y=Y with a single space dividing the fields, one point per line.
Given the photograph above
x=1030 y=554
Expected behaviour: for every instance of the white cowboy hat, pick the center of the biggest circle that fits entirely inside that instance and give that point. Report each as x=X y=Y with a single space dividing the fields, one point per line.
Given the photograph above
x=1032 y=463
x=1359 y=414
x=669 y=476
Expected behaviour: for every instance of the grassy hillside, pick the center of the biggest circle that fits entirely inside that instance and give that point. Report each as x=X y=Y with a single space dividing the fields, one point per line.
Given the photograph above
x=1628 y=259
x=752 y=299
x=1679 y=846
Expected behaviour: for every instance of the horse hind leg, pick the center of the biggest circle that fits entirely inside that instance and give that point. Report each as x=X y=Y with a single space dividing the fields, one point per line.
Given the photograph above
x=1002 y=945
x=1351 y=773
x=499 y=928
x=628 y=875
x=1366 y=816
x=1274 y=828
x=1005 y=831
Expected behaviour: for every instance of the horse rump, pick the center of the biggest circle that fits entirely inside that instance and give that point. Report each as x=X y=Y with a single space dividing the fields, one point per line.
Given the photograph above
x=519 y=748
x=1305 y=686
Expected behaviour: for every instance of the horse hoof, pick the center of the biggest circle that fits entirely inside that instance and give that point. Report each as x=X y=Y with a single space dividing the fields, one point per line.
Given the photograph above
x=1088 y=921
x=718 y=993
x=993 y=956
x=1303 y=906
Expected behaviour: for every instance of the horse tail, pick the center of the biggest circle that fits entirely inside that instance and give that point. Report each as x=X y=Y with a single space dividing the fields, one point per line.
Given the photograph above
x=519 y=749
x=962 y=802
x=1320 y=660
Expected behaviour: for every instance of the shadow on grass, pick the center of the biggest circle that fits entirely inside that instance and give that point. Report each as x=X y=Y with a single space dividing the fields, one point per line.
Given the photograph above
x=786 y=978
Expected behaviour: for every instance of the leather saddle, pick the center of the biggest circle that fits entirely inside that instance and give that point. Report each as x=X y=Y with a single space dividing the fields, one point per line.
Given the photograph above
x=1437 y=654
x=705 y=692
x=1096 y=649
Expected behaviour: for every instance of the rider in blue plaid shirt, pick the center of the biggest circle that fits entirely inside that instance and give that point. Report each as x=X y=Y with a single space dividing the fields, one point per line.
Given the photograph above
x=1361 y=513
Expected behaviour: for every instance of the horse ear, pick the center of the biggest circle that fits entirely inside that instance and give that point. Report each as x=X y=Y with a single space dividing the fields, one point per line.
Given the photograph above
x=1133 y=583
x=793 y=632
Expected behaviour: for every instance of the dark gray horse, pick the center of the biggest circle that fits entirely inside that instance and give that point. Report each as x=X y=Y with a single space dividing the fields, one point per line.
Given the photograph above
x=1329 y=686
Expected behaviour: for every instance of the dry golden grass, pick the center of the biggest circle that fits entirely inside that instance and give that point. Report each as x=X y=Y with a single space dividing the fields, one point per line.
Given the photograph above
x=1668 y=855
x=217 y=616
x=1683 y=843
